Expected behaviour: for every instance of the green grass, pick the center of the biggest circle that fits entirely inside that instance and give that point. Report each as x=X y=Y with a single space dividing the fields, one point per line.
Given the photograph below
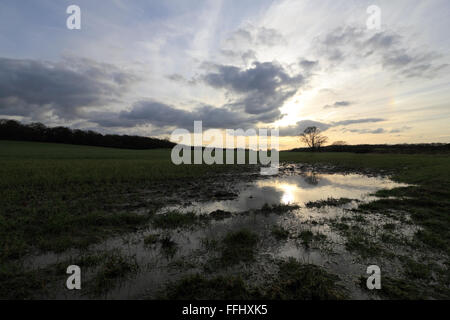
x=235 y=247
x=239 y=246
x=168 y=246
x=397 y=289
x=151 y=239
x=280 y=233
x=297 y=281
x=294 y=281
x=114 y=267
x=330 y=202
x=307 y=237
x=54 y=197
x=175 y=219
x=428 y=200
x=278 y=208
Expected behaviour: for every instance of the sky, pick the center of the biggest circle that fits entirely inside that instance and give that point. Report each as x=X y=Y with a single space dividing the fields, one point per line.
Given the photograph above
x=149 y=67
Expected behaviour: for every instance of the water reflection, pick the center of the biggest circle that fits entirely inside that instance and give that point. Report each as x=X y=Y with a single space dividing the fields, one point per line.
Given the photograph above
x=298 y=189
x=312 y=178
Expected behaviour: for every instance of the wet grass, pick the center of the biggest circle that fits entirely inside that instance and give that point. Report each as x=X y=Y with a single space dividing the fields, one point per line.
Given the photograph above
x=110 y=266
x=56 y=197
x=280 y=233
x=198 y=287
x=151 y=239
x=278 y=208
x=357 y=239
x=428 y=201
x=168 y=246
x=175 y=219
x=397 y=289
x=59 y=226
x=18 y=283
x=363 y=246
x=307 y=237
x=114 y=267
x=220 y=214
x=417 y=270
x=428 y=212
x=330 y=202
x=294 y=281
x=239 y=246
x=297 y=281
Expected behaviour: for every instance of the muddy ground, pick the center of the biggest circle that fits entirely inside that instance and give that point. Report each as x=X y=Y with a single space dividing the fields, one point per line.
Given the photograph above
x=306 y=233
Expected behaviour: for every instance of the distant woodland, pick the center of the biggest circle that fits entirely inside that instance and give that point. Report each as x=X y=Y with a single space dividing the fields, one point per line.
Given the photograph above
x=14 y=130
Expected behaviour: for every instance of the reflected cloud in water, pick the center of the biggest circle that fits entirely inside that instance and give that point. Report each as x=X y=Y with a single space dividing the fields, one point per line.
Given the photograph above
x=298 y=189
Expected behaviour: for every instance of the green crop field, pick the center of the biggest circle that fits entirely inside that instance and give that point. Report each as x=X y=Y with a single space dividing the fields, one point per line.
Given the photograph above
x=54 y=197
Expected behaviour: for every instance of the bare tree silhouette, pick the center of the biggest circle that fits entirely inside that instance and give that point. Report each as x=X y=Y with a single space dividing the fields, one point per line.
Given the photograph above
x=313 y=138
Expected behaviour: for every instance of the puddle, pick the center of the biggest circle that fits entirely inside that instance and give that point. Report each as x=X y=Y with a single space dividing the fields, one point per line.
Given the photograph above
x=293 y=187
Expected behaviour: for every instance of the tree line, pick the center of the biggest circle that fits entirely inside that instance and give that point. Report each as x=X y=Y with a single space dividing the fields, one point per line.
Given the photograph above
x=14 y=130
x=315 y=141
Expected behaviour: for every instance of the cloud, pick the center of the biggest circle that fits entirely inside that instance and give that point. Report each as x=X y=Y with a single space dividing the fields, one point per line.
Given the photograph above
x=270 y=37
x=365 y=131
x=357 y=121
x=240 y=35
x=31 y=87
x=299 y=127
x=262 y=88
x=377 y=131
x=159 y=114
x=389 y=49
x=308 y=65
x=255 y=36
x=338 y=104
x=245 y=57
x=402 y=129
x=175 y=77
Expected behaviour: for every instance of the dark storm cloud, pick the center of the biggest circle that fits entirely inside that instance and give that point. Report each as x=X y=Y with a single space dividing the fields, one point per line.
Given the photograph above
x=262 y=88
x=163 y=115
x=338 y=104
x=389 y=49
x=31 y=87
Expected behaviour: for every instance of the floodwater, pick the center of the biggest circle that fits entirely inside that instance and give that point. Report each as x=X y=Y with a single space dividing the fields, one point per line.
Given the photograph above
x=298 y=187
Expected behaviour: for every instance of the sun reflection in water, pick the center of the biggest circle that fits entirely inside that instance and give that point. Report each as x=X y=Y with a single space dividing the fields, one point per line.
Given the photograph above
x=288 y=193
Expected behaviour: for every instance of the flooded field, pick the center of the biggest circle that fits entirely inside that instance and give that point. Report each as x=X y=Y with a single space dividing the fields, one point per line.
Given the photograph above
x=305 y=217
